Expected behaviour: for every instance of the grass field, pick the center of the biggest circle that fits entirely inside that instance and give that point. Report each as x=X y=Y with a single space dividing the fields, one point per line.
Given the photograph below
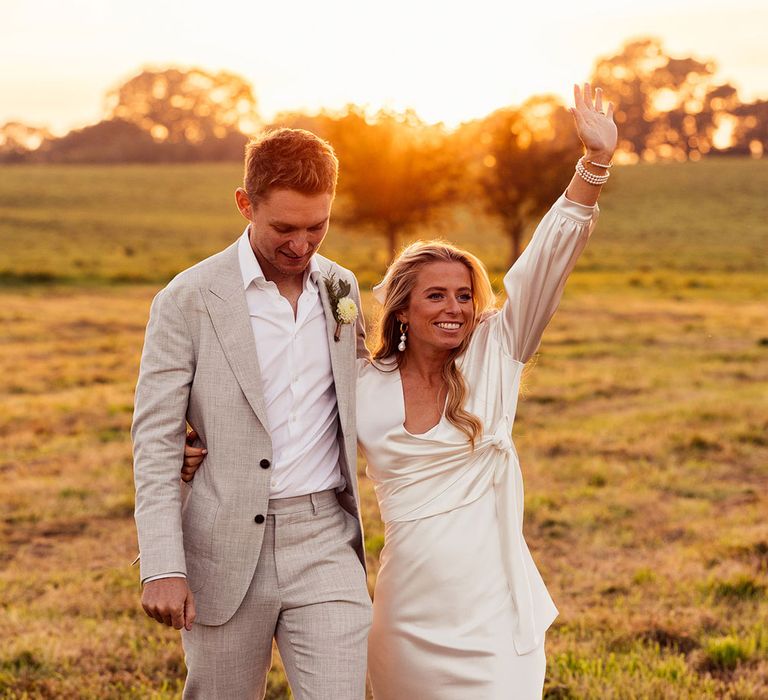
x=643 y=431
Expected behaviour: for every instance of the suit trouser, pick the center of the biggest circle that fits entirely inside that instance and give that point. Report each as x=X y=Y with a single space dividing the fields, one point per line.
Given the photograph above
x=309 y=593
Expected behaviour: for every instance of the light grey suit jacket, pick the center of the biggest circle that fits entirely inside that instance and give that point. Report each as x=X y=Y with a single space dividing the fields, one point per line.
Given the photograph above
x=199 y=365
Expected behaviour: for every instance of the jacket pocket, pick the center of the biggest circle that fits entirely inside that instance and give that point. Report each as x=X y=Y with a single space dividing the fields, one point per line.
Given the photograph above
x=198 y=520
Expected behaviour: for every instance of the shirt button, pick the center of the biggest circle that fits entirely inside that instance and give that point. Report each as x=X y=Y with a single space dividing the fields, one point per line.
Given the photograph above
x=264 y=464
x=259 y=519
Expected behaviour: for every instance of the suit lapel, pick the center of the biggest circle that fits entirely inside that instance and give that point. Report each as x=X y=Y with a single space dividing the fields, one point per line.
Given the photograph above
x=225 y=301
x=340 y=353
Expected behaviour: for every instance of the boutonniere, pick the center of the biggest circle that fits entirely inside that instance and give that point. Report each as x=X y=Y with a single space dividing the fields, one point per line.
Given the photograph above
x=342 y=305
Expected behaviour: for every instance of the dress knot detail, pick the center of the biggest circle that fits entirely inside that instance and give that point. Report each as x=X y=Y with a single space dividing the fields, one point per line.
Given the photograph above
x=502 y=436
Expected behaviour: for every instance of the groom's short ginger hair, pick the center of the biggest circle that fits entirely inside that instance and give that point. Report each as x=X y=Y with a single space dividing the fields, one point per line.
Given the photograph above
x=293 y=159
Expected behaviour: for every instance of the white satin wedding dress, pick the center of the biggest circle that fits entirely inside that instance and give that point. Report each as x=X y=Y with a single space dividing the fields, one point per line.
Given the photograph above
x=460 y=609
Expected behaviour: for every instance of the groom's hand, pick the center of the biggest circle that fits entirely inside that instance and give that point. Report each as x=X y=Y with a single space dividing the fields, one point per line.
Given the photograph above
x=170 y=602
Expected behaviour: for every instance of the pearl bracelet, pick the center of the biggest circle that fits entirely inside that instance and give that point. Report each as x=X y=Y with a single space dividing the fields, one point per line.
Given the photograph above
x=589 y=177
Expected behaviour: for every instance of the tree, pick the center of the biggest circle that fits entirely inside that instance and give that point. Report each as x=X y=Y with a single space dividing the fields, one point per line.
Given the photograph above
x=522 y=159
x=185 y=107
x=396 y=172
x=18 y=140
x=666 y=107
x=110 y=141
x=751 y=128
x=168 y=115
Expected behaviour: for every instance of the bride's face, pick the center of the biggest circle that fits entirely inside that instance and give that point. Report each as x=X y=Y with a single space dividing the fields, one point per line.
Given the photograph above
x=440 y=310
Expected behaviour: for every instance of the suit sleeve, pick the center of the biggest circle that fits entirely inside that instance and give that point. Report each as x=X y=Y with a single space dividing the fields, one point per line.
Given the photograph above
x=534 y=284
x=158 y=433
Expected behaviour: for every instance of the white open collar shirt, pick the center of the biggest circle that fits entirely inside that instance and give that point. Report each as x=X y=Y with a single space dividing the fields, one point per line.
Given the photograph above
x=296 y=378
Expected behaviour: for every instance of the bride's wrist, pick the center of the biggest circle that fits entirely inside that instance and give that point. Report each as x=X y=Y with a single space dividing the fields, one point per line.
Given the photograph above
x=598 y=156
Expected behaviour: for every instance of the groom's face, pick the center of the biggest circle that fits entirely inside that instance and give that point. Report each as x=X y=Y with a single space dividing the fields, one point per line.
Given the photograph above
x=286 y=229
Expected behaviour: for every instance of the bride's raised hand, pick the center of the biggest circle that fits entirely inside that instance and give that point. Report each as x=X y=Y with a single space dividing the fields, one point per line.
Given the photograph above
x=595 y=127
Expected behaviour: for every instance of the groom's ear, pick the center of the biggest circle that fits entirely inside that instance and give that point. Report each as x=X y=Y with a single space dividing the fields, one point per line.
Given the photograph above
x=244 y=204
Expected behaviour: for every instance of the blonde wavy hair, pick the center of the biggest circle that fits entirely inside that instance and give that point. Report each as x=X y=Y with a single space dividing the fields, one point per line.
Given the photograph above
x=399 y=282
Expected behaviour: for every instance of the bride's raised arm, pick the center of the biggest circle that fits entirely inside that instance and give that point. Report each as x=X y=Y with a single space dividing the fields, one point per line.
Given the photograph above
x=535 y=282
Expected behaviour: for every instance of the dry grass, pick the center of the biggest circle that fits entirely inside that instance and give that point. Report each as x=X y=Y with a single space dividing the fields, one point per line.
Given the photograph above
x=643 y=435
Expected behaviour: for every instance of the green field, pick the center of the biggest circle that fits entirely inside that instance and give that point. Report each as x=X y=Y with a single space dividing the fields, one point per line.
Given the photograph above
x=83 y=224
x=643 y=431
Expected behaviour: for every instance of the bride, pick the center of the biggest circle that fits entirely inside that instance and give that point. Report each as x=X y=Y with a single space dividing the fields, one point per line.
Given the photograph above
x=460 y=610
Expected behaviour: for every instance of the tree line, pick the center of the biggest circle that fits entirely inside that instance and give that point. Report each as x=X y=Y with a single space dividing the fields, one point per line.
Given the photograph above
x=399 y=172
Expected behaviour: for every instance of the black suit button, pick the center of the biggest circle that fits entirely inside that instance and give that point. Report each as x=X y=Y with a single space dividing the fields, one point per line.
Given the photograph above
x=259 y=519
x=264 y=464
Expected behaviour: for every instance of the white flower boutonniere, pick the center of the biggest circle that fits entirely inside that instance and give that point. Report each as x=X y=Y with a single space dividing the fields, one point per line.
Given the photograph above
x=343 y=306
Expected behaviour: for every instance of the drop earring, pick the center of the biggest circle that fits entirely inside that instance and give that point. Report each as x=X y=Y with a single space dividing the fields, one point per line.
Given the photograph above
x=401 y=344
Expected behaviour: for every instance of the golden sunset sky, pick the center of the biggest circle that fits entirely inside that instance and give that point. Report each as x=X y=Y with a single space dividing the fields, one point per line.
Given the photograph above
x=450 y=61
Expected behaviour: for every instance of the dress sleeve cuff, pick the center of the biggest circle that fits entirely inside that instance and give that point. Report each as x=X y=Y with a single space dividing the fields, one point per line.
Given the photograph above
x=581 y=213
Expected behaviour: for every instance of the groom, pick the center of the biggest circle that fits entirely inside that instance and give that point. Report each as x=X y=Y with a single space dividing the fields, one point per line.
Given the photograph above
x=249 y=348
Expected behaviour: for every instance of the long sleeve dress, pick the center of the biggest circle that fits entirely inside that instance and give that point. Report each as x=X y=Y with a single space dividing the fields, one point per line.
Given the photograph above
x=460 y=609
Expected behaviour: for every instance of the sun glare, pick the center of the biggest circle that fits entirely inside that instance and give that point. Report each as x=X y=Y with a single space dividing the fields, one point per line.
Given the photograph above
x=447 y=63
x=726 y=125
